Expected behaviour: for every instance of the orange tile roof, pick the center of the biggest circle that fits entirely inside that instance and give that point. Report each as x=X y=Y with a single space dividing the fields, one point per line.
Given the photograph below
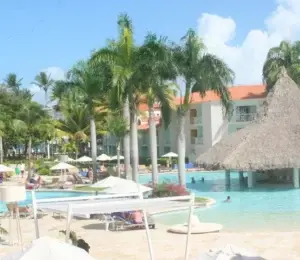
x=237 y=93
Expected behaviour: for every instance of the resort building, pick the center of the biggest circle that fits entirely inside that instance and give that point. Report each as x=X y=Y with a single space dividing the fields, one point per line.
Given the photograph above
x=205 y=122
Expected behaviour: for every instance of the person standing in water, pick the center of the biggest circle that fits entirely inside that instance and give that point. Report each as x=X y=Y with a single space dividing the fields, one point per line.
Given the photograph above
x=228 y=199
x=193 y=180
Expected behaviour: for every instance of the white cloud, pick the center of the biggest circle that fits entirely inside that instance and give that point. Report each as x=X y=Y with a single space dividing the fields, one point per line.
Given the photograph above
x=55 y=73
x=247 y=58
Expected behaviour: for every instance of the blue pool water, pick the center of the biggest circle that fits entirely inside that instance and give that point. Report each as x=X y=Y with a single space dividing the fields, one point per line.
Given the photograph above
x=45 y=195
x=263 y=208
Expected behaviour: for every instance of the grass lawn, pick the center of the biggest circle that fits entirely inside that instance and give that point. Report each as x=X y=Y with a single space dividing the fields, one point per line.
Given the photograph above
x=88 y=188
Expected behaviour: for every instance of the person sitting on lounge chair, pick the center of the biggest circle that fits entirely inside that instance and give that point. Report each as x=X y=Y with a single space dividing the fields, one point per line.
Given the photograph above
x=24 y=211
x=136 y=217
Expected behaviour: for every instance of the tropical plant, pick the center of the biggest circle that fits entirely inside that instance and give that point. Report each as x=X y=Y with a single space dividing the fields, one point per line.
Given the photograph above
x=117 y=126
x=286 y=55
x=30 y=120
x=13 y=83
x=44 y=82
x=201 y=72
x=155 y=68
x=169 y=190
x=120 y=55
x=77 y=242
x=92 y=82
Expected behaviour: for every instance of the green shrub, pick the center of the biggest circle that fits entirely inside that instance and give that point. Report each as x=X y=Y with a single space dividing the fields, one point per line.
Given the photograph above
x=44 y=171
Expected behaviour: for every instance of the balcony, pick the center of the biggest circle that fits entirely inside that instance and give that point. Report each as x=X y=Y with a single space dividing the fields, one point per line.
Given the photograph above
x=245 y=117
x=195 y=120
x=196 y=140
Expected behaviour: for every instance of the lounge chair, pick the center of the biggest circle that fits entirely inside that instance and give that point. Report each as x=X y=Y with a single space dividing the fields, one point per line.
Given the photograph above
x=122 y=223
x=108 y=220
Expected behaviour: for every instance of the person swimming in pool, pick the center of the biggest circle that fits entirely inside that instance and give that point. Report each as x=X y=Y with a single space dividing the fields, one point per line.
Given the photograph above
x=228 y=199
x=193 y=180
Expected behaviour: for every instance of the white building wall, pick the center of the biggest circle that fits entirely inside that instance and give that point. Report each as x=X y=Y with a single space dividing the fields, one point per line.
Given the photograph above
x=215 y=126
x=219 y=123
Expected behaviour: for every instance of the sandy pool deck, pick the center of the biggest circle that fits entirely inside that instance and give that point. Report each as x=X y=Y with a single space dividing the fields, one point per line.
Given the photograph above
x=131 y=245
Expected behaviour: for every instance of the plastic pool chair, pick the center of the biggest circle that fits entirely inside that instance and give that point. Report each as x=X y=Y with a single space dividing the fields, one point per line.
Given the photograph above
x=121 y=223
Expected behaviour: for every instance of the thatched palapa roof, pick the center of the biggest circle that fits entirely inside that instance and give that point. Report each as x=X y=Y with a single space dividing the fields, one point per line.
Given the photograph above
x=272 y=141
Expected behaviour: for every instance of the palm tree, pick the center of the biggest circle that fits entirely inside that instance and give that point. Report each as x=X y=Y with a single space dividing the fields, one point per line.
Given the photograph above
x=30 y=120
x=286 y=55
x=44 y=82
x=13 y=83
x=92 y=82
x=121 y=56
x=117 y=126
x=155 y=68
x=202 y=72
x=75 y=125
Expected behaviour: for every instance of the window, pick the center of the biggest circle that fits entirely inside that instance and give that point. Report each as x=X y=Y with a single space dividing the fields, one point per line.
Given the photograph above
x=245 y=113
x=167 y=149
x=193 y=116
x=167 y=137
x=197 y=135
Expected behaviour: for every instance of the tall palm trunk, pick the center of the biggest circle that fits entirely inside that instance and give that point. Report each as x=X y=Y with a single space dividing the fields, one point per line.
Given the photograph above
x=46 y=98
x=29 y=157
x=181 y=148
x=1 y=149
x=126 y=141
x=48 y=149
x=118 y=158
x=93 y=145
x=153 y=146
x=134 y=145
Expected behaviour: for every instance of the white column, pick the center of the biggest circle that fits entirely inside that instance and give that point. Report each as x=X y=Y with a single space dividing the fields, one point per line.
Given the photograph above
x=250 y=180
x=227 y=178
x=296 y=177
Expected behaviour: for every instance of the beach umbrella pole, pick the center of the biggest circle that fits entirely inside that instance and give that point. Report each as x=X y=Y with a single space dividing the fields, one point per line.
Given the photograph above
x=19 y=231
x=69 y=218
x=34 y=207
x=189 y=231
x=149 y=241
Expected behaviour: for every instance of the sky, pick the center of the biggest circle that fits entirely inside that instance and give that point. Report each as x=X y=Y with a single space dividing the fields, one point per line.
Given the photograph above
x=52 y=35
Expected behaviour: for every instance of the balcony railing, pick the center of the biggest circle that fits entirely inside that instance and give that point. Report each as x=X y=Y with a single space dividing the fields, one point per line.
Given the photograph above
x=244 y=117
x=196 y=140
x=195 y=120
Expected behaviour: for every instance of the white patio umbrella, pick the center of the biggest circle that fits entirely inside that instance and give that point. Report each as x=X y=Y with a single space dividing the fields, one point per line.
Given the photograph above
x=47 y=248
x=103 y=157
x=109 y=182
x=63 y=166
x=70 y=159
x=229 y=252
x=170 y=155
x=116 y=157
x=4 y=168
x=127 y=187
x=84 y=159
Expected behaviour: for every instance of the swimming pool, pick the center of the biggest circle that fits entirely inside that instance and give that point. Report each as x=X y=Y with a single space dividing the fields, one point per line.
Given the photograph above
x=272 y=208
x=45 y=195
